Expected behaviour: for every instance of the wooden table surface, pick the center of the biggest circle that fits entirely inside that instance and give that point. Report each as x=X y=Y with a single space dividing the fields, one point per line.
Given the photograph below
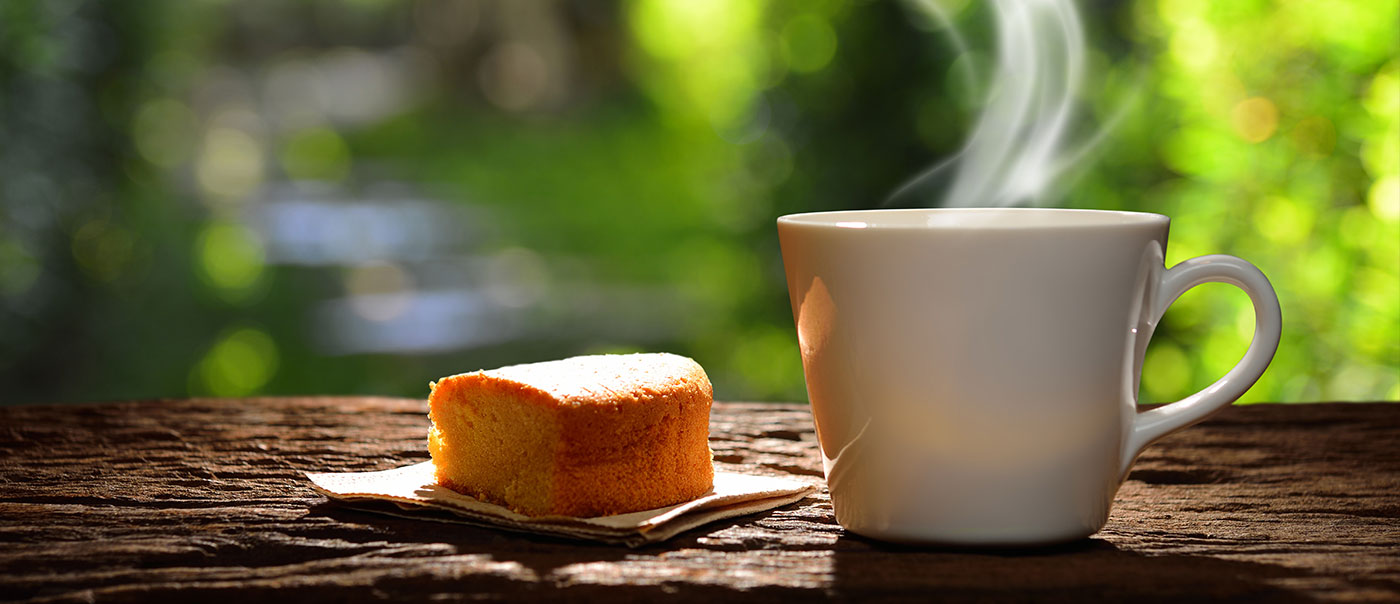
x=204 y=500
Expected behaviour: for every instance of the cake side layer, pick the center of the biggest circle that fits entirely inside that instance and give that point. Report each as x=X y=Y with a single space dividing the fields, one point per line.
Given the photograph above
x=643 y=452
x=494 y=441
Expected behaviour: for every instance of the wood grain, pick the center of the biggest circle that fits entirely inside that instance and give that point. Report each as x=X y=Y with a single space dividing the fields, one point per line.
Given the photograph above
x=203 y=500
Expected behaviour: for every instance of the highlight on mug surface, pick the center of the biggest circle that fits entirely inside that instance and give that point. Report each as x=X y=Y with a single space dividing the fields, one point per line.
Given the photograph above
x=242 y=198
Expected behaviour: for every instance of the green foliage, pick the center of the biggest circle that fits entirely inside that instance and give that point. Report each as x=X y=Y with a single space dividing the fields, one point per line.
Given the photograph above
x=1270 y=159
x=647 y=147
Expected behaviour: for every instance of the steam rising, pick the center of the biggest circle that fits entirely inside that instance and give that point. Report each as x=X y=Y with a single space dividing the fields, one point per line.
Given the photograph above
x=1016 y=148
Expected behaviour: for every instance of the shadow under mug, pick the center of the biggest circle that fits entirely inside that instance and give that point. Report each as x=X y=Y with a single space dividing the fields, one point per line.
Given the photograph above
x=973 y=373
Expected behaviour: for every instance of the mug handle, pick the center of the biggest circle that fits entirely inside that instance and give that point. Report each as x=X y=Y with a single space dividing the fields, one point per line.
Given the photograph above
x=1149 y=426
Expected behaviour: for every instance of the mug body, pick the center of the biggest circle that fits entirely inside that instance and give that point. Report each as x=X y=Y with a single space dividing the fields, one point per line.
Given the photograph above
x=972 y=372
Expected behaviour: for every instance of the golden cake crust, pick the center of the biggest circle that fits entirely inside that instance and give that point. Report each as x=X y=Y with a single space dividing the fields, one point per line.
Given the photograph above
x=584 y=436
x=604 y=379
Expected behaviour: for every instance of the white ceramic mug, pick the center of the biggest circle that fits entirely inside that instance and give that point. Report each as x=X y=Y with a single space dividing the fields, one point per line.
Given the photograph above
x=974 y=373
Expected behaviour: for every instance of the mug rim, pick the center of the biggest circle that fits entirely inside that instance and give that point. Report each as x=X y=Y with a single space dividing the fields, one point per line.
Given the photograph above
x=946 y=218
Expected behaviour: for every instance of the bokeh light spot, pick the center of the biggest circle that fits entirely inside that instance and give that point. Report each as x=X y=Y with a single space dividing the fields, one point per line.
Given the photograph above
x=514 y=77
x=676 y=30
x=808 y=43
x=1255 y=119
x=1384 y=198
x=1283 y=220
x=727 y=92
x=964 y=81
x=1322 y=271
x=240 y=363
x=713 y=62
x=231 y=164
x=767 y=162
x=1383 y=97
x=1194 y=46
x=379 y=291
x=1381 y=153
x=316 y=154
x=230 y=258
x=163 y=132
x=1356 y=381
x=1180 y=12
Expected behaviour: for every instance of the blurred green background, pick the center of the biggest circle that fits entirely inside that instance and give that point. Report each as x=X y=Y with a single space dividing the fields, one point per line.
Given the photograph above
x=341 y=197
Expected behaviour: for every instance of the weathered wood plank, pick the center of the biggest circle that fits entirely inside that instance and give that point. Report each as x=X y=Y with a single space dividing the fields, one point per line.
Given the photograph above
x=204 y=499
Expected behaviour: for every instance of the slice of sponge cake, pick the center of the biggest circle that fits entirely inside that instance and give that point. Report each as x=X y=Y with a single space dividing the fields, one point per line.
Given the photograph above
x=585 y=436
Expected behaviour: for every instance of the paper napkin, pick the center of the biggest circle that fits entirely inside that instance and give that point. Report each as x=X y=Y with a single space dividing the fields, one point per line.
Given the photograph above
x=414 y=494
